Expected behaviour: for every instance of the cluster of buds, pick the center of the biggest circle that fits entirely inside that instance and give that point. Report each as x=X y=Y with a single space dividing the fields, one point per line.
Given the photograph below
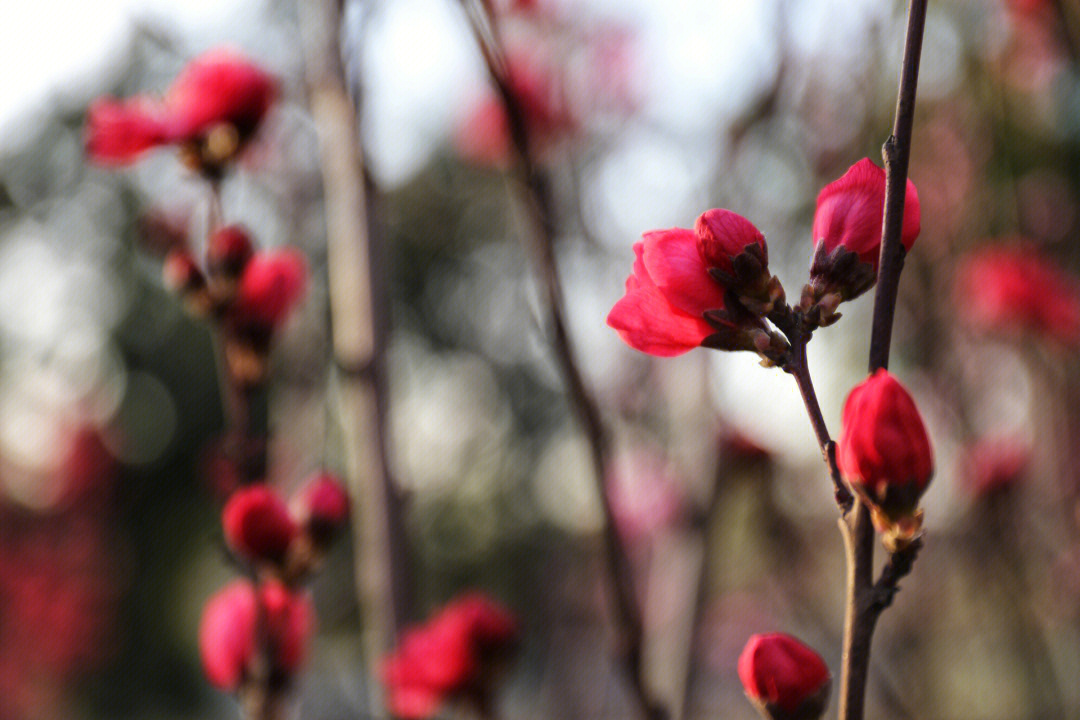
x=211 y=111
x=253 y=638
x=458 y=654
x=709 y=286
x=712 y=287
x=884 y=455
x=783 y=678
x=289 y=539
x=249 y=292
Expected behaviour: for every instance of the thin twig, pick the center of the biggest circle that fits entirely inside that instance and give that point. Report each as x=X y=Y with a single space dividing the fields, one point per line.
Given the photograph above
x=866 y=599
x=540 y=211
x=359 y=334
x=799 y=369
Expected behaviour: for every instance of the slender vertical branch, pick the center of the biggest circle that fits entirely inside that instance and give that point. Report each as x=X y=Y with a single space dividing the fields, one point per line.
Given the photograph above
x=865 y=598
x=540 y=211
x=896 y=152
x=357 y=315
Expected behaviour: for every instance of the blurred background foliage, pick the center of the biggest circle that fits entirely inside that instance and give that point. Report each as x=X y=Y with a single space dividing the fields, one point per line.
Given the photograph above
x=110 y=407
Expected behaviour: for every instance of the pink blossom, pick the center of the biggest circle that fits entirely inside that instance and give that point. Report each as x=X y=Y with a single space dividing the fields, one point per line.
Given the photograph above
x=218 y=88
x=272 y=284
x=228 y=631
x=257 y=524
x=663 y=311
x=1015 y=290
x=784 y=676
x=446 y=657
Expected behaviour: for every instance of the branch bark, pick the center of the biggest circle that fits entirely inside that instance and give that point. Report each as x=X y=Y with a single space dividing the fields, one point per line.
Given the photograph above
x=866 y=599
x=540 y=211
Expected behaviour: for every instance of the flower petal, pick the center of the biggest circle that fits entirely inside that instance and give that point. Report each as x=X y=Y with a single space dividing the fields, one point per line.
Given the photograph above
x=648 y=322
x=673 y=261
x=118 y=132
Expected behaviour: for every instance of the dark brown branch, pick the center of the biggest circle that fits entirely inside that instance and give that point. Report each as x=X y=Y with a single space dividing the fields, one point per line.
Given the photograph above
x=540 y=211
x=896 y=152
x=359 y=334
x=866 y=599
x=798 y=368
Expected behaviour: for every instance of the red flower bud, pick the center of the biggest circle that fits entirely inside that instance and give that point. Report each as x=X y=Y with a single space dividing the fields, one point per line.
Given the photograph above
x=257 y=524
x=271 y=286
x=847 y=239
x=1015 y=290
x=724 y=235
x=228 y=251
x=448 y=656
x=322 y=506
x=785 y=679
x=849 y=213
x=181 y=274
x=675 y=297
x=884 y=452
x=219 y=89
x=228 y=631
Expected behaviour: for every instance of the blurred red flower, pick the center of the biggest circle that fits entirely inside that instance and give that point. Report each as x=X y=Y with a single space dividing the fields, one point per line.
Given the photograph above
x=257 y=524
x=215 y=105
x=272 y=284
x=448 y=656
x=228 y=631
x=992 y=465
x=321 y=506
x=1015 y=290
x=484 y=136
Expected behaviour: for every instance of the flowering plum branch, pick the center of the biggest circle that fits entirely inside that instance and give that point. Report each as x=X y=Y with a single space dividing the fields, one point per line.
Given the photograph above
x=710 y=287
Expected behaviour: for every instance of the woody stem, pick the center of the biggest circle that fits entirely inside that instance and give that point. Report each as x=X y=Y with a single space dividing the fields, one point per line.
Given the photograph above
x=799 y=369
x=540 y=211
x=866 y=599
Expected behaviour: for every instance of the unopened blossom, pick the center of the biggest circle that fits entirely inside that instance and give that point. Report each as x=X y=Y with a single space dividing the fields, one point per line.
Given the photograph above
x=321 y=506
x=451 y=656
x=211 y=110
x=675 y=298
x=229 y=637
x=884 y=454
x=182 y=275
x=847 y=236
x=785 y=679
x=271 y=286
x=228 y=250
x=1018 y=290
x=257 y=524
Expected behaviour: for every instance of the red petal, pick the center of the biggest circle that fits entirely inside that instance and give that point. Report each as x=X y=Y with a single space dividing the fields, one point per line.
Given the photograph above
x=218 y=86
x=648 y=322
x=118 y=132
x=674 y=263
x=723 y=234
